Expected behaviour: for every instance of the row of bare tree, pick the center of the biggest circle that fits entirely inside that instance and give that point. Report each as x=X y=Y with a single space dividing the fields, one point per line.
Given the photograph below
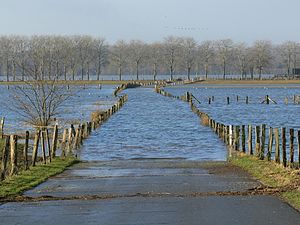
x=70 y=57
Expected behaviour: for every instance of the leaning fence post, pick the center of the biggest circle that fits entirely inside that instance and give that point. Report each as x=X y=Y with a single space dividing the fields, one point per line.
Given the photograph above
x=35 y=147
x=54 y=142
x=13 y=154
x=284 y=161
x=5 y=152
x=63 y=143
x=25 y=152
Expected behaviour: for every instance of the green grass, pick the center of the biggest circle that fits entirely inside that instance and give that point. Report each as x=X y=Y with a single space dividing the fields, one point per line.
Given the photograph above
x=272 y=175
x=28 y=179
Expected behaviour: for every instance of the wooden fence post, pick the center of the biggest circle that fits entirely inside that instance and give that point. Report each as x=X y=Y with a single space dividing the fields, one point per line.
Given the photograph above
x=298 y=147
x=257 y=141
x=243 y=139
x=13 y=154
x=70 y=141
x=48 y=144
x=36 y=147
x=263 y=140
x=270 y=145
x=54 y=141
x=25 y=152
x=63 y=143
x=237 y=138
x=5 y=156
x=2 y=127
x=284 y=161
x=277 y=149
x=250 y=147
x=292 y=152
x=43 y=146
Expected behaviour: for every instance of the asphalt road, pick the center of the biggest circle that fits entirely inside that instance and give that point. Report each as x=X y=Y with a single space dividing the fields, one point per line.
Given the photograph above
x=150 y=192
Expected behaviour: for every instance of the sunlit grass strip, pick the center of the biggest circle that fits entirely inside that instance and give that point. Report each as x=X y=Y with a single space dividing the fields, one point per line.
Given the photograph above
x=272 y=175
x=28 y=179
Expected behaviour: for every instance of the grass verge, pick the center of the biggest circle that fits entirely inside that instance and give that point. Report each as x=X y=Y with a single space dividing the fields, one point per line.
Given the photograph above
x=286 y=180
x=28 y=179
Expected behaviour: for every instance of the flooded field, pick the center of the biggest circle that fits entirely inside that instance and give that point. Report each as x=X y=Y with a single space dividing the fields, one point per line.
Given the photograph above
x=239 y=113
x=76 y=109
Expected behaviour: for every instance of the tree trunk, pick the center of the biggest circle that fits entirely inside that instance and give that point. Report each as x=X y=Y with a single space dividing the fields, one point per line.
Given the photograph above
x=189 y=72
x=137 y=70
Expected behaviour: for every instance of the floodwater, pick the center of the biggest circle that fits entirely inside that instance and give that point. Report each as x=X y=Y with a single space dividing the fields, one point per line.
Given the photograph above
x=240 y=113
x=76 y=109
x=153 y=126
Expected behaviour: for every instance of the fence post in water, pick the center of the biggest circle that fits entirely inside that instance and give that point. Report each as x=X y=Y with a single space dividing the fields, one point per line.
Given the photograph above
x=267 y=100
x=250 y=147
x=243 y=139
x=13 y=154
x=263 y=140
x=291 y=147
x=270 y=145
x=5 y=152
x=25 y=152
x=247 y=99
x=209 y=100
x=277 y=149
x=54 y=142
x=284 y=161
x=257 y=141
x=237 y=98
x=227 y=100
x=36 y=146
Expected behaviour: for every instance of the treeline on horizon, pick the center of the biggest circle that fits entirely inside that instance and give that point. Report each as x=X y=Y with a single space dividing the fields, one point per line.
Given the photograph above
x=81 y=56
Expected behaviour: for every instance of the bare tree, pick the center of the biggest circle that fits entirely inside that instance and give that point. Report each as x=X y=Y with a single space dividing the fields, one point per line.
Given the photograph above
x=119 y=56
x=241 y=53
x=137 y=53
x=206 y=54
x=101 y=54
x=288 y=52
x=188 y=48
x=224 y=52
x=154 y=53
x=171 y=48
x=261 y=51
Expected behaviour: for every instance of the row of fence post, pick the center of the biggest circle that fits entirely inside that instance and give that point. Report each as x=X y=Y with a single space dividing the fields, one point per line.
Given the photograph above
x=240 y=138
x=72 y=138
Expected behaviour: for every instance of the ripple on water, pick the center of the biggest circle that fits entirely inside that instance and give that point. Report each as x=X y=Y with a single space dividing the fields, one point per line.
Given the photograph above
x=153 y=126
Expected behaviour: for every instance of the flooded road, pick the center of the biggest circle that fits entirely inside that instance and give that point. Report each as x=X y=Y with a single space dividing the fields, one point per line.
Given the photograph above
x=152 y=126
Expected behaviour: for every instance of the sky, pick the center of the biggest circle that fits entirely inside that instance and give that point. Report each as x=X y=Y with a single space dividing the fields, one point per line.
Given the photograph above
x=153 y=20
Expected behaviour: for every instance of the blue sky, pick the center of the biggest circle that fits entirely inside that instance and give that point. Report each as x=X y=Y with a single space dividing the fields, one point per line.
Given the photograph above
x=152 y=20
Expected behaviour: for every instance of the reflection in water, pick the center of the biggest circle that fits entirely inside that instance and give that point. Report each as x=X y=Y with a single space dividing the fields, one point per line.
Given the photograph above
x=152 y=126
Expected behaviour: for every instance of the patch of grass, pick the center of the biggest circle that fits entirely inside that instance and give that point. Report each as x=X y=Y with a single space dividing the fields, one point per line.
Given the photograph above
x=28 y=179
x=272 y=175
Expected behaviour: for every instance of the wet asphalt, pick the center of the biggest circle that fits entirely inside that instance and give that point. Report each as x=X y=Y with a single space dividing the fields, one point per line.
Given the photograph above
x=153 y=191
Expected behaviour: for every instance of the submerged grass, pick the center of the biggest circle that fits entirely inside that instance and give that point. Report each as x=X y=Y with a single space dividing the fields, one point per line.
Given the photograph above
x=272 y=175
x=27 y=179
